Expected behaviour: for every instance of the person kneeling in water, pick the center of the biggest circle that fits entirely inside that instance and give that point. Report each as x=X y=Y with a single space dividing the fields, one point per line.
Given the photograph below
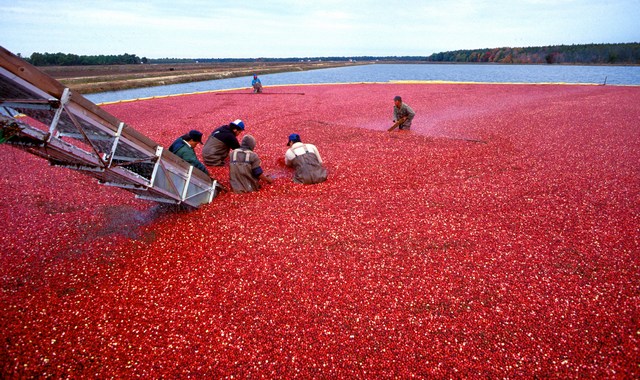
x=306 y=161
x=245 y=171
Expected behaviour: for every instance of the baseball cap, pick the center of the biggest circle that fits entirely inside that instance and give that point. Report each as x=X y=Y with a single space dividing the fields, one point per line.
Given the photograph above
x=397 y=98
x=293 y=138
x=238 y=123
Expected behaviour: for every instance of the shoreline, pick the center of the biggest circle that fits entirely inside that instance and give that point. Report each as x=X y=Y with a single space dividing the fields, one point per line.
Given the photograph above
x=95 y=79
x=106 y=78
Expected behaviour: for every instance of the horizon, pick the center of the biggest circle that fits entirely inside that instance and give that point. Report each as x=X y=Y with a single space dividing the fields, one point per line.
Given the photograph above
x=336 y=56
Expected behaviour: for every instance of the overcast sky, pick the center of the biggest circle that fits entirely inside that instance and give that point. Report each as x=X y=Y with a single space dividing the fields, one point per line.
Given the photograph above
x=301 y=28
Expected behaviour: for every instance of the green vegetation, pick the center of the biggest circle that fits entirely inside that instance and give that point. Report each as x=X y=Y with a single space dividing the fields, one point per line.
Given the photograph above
x=624 y=53
x=61 y=59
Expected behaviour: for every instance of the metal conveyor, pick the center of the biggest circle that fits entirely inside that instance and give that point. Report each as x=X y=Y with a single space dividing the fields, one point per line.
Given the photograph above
x=39 y=115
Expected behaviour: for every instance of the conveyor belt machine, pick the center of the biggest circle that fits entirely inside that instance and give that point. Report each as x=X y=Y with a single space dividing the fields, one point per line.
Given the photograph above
x=39 y=115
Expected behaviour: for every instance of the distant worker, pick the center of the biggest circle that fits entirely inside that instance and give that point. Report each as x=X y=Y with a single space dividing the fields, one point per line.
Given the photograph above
x=256 y=84
x=220 y=141
x=403 y=113
x=306 y=161
x=184 y=147
x=245 y=171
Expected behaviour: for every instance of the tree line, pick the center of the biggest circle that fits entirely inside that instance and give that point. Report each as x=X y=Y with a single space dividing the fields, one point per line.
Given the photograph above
x=289 y=59
x=622 y=53
x=62 y=59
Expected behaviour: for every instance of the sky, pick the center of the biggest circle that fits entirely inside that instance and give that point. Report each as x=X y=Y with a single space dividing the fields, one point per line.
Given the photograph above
x=307 y=28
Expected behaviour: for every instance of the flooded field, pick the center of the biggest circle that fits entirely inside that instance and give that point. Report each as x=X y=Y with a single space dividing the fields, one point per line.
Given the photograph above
x=497 y=239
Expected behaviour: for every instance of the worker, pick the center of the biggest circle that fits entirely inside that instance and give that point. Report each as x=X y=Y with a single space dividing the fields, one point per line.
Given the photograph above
x=306 y=161
x=245 y=171
x=402 y=111
x=256 y=84
x=184 y=147
x=220 y=141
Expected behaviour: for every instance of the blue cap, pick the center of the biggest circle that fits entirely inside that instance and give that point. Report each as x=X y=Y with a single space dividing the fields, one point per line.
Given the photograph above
x=238 y=123
x=293 y=138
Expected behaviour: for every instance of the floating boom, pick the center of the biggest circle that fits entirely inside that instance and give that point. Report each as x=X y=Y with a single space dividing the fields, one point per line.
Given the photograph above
x=39 y=115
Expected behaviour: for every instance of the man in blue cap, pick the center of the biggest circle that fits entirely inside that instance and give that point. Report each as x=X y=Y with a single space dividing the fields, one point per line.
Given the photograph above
x=184 y=147
x=256 y=84
x=306 y=160
x=220 y=142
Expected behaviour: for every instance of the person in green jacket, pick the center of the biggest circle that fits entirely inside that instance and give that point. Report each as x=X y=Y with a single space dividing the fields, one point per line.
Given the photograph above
x=184 y=147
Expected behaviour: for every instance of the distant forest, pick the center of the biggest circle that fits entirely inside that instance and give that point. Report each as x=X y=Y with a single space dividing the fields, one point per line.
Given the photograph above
x=62 y=59
x=626 y=53
x=623 y=53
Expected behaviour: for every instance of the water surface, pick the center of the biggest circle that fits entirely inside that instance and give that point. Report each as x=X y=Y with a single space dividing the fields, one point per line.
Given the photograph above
x=493 y=73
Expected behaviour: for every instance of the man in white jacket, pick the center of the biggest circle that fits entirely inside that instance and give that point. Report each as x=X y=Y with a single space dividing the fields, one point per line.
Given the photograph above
x=306 y=161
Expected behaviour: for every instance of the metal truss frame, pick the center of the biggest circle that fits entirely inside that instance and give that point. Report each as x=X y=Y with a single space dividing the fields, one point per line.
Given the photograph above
x=41 y=116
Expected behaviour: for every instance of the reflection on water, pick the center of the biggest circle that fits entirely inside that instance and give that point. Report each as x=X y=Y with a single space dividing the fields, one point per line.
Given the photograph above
x=494 y=73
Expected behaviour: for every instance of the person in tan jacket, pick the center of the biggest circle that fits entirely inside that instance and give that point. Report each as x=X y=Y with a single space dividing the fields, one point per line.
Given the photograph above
x=306 y=161
x=245 y=171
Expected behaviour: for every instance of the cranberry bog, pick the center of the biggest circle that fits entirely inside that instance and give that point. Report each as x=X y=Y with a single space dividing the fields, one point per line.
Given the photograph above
x=499 y=238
